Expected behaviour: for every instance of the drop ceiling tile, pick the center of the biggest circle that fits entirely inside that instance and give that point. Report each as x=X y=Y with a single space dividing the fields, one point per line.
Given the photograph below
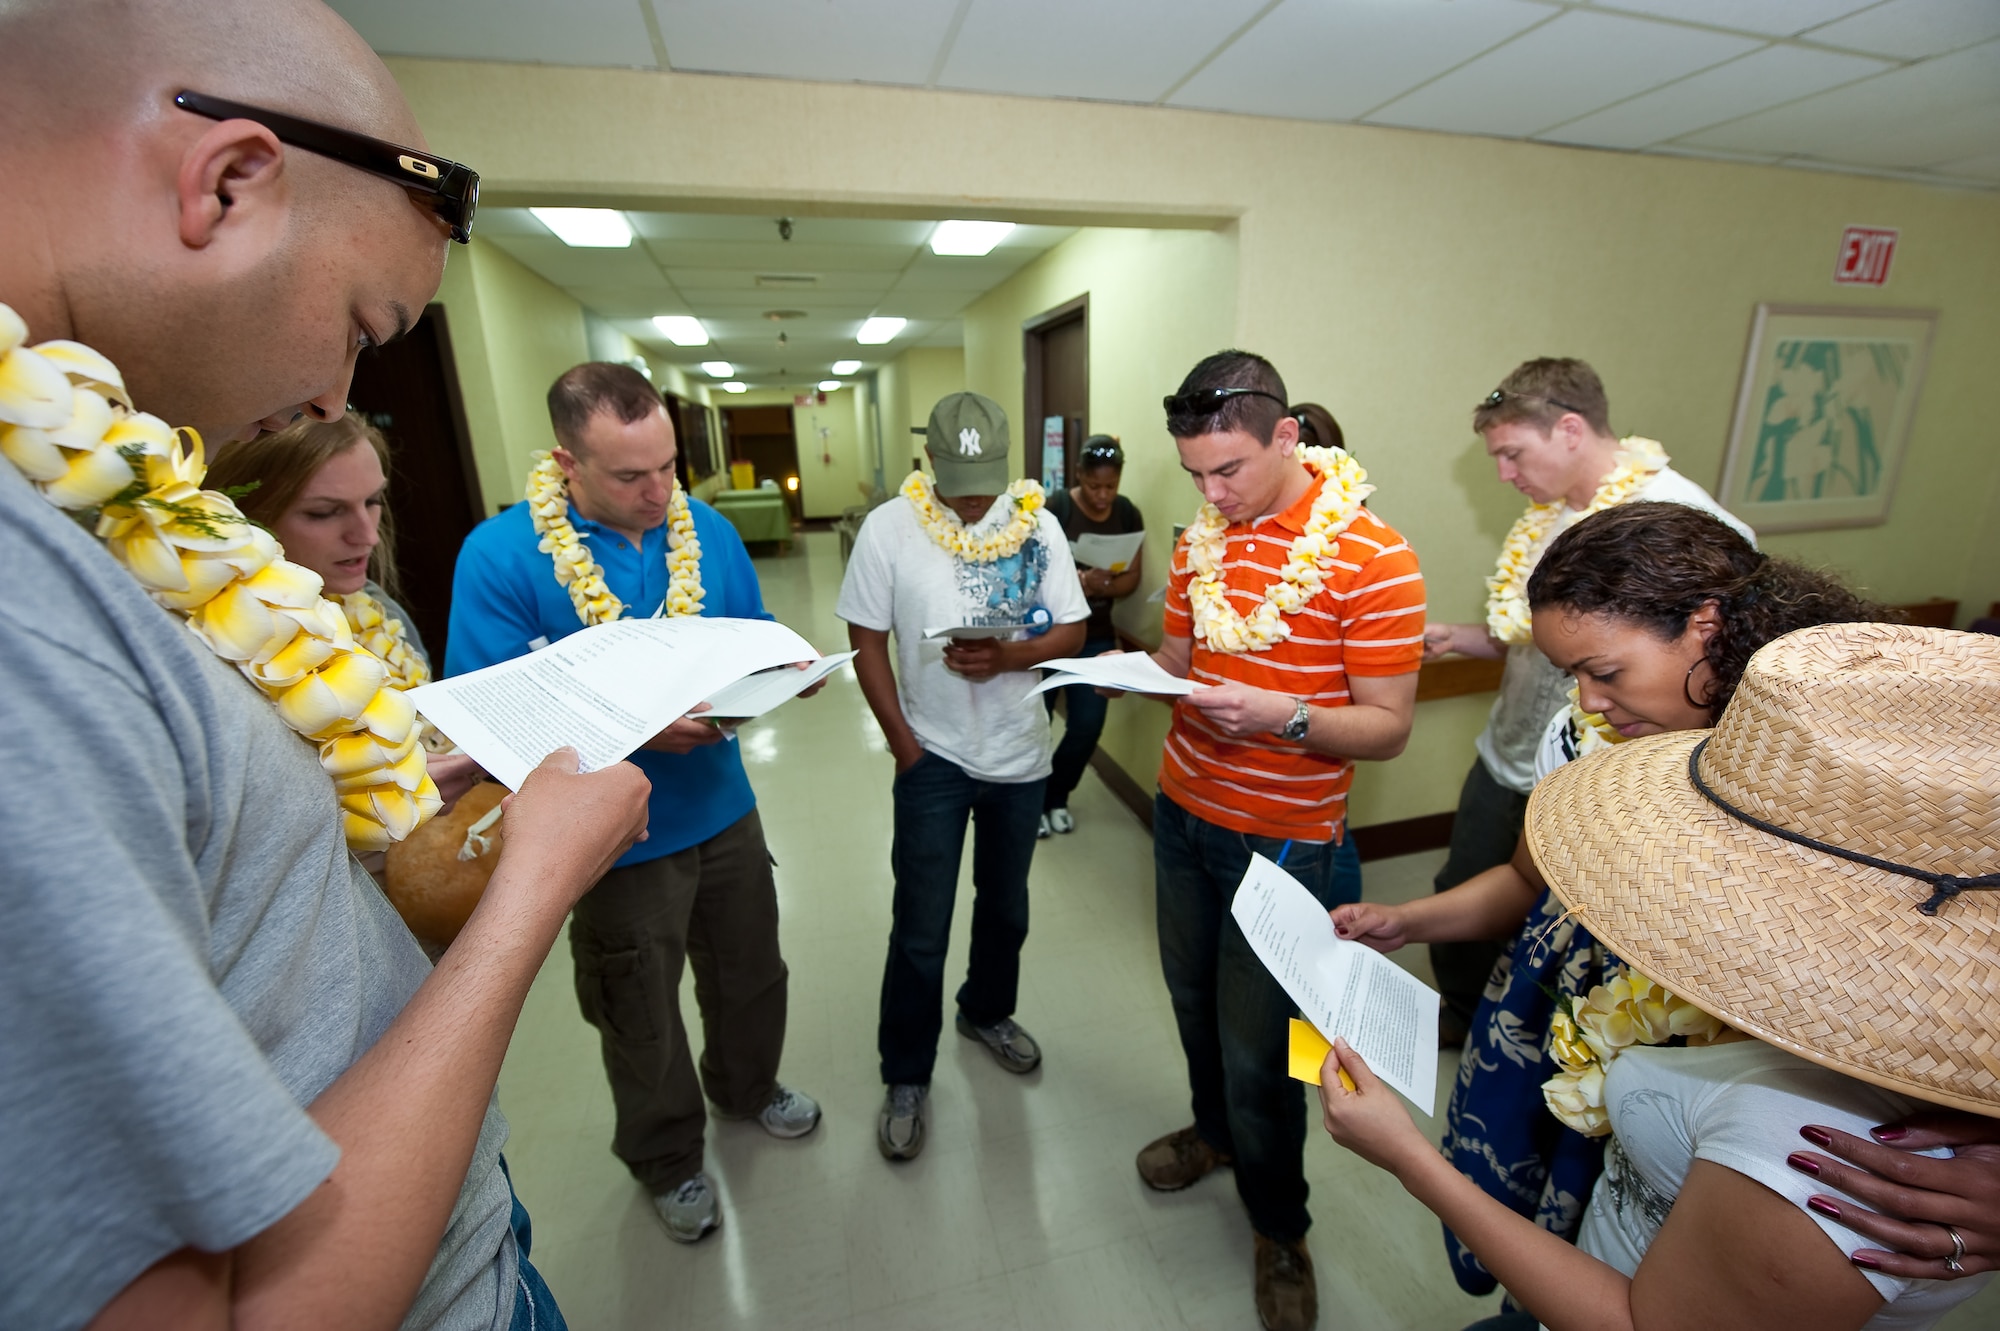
x=1972 y=168
x=742 y=283
x=1336 y=59
x=627 y=302
x=867 y=41
x=762 y=230
x=1830 y=125
x=1970 y=131
x=1112 y=50
x=576 y=32
x=773 y=258
x=922 y=305
x=1762 y=79
x=1915 y=28
x=1778 y=18
x=565 y=266
x=1563 y=69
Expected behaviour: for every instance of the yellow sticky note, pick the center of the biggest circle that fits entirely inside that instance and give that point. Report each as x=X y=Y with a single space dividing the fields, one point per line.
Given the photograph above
x=1308 y=1054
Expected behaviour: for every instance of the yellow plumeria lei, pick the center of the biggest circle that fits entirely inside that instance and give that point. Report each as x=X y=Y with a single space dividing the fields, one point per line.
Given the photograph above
x=1584 y=1038
x=1592 y=731
x=1507 y=590
x=67 y=423
x=1215 y=619
x=959 y=541
x=577 y=571
x=386 y=636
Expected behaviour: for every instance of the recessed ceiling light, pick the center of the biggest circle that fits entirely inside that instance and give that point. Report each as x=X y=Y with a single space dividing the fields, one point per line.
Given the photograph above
x=846 y=366
x=734 y=386
x=830 y=385
x=717 y=369
x=969 y=238
x=878 y=330
x=587 y=228
x=683 y=330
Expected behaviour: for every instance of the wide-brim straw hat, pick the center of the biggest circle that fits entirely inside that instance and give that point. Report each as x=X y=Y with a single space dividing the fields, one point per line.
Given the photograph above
x=1880 y=740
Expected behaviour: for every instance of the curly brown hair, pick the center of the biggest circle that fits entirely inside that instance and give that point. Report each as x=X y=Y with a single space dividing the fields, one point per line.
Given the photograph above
x=1656 y=564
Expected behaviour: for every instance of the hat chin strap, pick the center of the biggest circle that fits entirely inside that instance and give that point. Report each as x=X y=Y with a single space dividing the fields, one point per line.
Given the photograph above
x=1944 y=886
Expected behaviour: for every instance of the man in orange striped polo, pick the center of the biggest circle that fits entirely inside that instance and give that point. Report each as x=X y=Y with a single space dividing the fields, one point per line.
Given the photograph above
x=1303 y=613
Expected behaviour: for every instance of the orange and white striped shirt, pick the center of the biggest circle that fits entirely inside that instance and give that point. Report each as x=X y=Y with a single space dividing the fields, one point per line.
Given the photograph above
x=1368 y=619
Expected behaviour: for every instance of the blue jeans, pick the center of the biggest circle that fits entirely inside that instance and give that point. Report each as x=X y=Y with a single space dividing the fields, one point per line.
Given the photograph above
x=1084 y=708
x=1232 y=1014
x=933 y=802
x=534 y=1304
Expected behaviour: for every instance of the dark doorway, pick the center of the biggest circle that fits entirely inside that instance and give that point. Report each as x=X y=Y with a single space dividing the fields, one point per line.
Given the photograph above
x=696 y=460
x=409 y=391
x=1055 y=350
x=764 y=437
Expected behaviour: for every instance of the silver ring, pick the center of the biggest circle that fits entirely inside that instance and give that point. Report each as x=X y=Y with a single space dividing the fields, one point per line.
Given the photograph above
x=1951 y=1263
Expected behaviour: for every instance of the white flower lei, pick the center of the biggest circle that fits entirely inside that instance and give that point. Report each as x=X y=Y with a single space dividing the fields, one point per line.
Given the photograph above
x=1586 y=1036
x=961 y=542
x=1591 y=730
x=548 y=505
x=68 y=425
x=1507 y=590
x=1215 y=619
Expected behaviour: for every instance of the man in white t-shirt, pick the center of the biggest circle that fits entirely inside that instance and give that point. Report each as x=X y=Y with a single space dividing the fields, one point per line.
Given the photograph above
x=1548 y=430
x=971 y=551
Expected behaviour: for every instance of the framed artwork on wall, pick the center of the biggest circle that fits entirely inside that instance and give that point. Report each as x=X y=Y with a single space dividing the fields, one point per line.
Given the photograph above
x=1823 y=415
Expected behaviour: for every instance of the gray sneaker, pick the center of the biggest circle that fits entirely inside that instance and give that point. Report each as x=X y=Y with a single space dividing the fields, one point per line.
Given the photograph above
x=899 y=1129
x=1012 y=1048
x=690 y=1210
x=790 y=1114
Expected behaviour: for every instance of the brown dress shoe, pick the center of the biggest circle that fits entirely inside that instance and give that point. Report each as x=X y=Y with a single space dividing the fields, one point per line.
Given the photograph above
x=1287 y=1293
x=1178 y=1159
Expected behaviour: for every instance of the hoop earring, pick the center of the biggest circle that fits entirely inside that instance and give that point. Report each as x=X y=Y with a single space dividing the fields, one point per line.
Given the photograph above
x=1687 y=686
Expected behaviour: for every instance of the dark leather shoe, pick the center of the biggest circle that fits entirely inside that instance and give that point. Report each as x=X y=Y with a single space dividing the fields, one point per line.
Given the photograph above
x=1178 y=1159
x=1287 y=1293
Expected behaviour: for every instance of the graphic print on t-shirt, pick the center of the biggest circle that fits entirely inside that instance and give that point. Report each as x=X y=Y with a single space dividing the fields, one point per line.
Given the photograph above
x=1006 y=590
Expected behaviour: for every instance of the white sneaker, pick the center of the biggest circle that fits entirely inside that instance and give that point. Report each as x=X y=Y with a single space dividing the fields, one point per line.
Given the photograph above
x=690 y=1210
x=1042 y=829
x=899 y=1128
x=790 y=1114
x=1060 y=821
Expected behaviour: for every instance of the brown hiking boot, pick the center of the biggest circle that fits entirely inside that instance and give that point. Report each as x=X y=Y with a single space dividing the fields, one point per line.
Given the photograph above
x=1178 y=1159
x=1287 y=1293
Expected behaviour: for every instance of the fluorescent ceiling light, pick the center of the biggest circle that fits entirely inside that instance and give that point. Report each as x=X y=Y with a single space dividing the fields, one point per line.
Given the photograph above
x=846 y=366
x=717 y=369
x=587 y=228
x=830 y=385
x=683 y=330
x=735 y=387
x=971 y=238
x=878 y=330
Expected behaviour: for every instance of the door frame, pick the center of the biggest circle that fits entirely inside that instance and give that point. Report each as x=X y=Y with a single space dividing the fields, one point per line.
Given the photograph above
x=1034 y=335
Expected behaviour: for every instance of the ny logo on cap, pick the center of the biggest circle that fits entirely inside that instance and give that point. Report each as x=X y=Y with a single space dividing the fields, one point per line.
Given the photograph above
x=968 y=443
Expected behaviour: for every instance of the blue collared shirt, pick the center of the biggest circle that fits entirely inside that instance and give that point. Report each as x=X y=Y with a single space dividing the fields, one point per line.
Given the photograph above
x=504 y=597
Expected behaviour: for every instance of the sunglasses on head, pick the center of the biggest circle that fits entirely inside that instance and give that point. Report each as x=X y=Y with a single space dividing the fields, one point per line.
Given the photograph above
x=1499 y=395
x=1208 y=401
x=450 y=189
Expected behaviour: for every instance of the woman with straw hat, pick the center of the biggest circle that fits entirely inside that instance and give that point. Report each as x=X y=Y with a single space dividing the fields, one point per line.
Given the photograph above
x=1821 y=873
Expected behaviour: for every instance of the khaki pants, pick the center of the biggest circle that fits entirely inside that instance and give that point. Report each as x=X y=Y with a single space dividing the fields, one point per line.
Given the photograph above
x=715 y=905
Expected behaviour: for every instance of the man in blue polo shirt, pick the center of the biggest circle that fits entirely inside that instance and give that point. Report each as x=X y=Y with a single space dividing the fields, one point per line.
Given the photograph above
x=699 y=887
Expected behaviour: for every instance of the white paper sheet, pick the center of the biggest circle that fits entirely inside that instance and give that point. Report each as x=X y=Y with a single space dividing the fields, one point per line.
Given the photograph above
x=1343 y=988
x=969 y=631
x=1111 y=553
x=754 y=695
x=1159 y=593
x=1134 y=672
x=605 y=690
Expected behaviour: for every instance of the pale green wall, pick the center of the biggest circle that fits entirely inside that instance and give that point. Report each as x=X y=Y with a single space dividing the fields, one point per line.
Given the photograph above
x=911 y=385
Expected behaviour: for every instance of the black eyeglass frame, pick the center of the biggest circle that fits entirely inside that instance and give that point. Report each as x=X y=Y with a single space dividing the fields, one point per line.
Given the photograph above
x=451 y=188
x=1500 y=395
x=1208 y=401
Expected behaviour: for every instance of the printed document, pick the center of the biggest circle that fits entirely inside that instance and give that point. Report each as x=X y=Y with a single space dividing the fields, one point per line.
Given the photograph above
x=754 y=695
x=970 y=631
x=1345 y=989
x=1134 y=672
x=604 y=690
x=1113 y=554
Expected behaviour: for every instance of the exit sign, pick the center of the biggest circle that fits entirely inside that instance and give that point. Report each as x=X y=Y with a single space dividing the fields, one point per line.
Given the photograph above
x=1865 y=252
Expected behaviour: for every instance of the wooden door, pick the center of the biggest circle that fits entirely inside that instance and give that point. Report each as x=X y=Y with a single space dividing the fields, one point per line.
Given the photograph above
x=764 y=437
x=409 y=391
x=1055 y=347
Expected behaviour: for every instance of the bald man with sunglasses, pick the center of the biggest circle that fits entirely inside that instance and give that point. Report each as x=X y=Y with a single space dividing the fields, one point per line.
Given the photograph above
x=233 y=1092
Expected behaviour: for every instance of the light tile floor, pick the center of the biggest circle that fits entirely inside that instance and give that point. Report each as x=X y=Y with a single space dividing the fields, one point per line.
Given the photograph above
x=1024 y=1210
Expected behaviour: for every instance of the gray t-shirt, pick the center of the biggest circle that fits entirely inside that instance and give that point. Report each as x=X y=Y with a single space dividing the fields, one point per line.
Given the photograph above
x=1530 y=687
x=192 y=955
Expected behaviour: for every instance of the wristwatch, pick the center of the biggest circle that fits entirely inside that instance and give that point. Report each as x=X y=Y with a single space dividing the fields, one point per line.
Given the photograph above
x=1296 y=728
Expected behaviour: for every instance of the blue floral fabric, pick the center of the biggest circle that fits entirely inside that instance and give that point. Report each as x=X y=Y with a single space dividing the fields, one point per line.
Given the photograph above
x=1498 y=1131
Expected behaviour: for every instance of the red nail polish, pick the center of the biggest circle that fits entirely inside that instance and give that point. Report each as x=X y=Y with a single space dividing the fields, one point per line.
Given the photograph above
x=1823 y=1206
x=1867 y=1260
x=1804 y=1163
x=1892 y=1133
x=1817 y=1136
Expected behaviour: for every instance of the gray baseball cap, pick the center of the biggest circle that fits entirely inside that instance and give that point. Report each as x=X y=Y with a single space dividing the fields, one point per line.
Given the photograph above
x=967 y=444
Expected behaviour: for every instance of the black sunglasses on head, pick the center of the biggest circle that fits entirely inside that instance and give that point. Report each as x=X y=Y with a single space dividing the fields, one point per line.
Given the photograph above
x=1208 y=401
x=451 y=189
x=1499 y=395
